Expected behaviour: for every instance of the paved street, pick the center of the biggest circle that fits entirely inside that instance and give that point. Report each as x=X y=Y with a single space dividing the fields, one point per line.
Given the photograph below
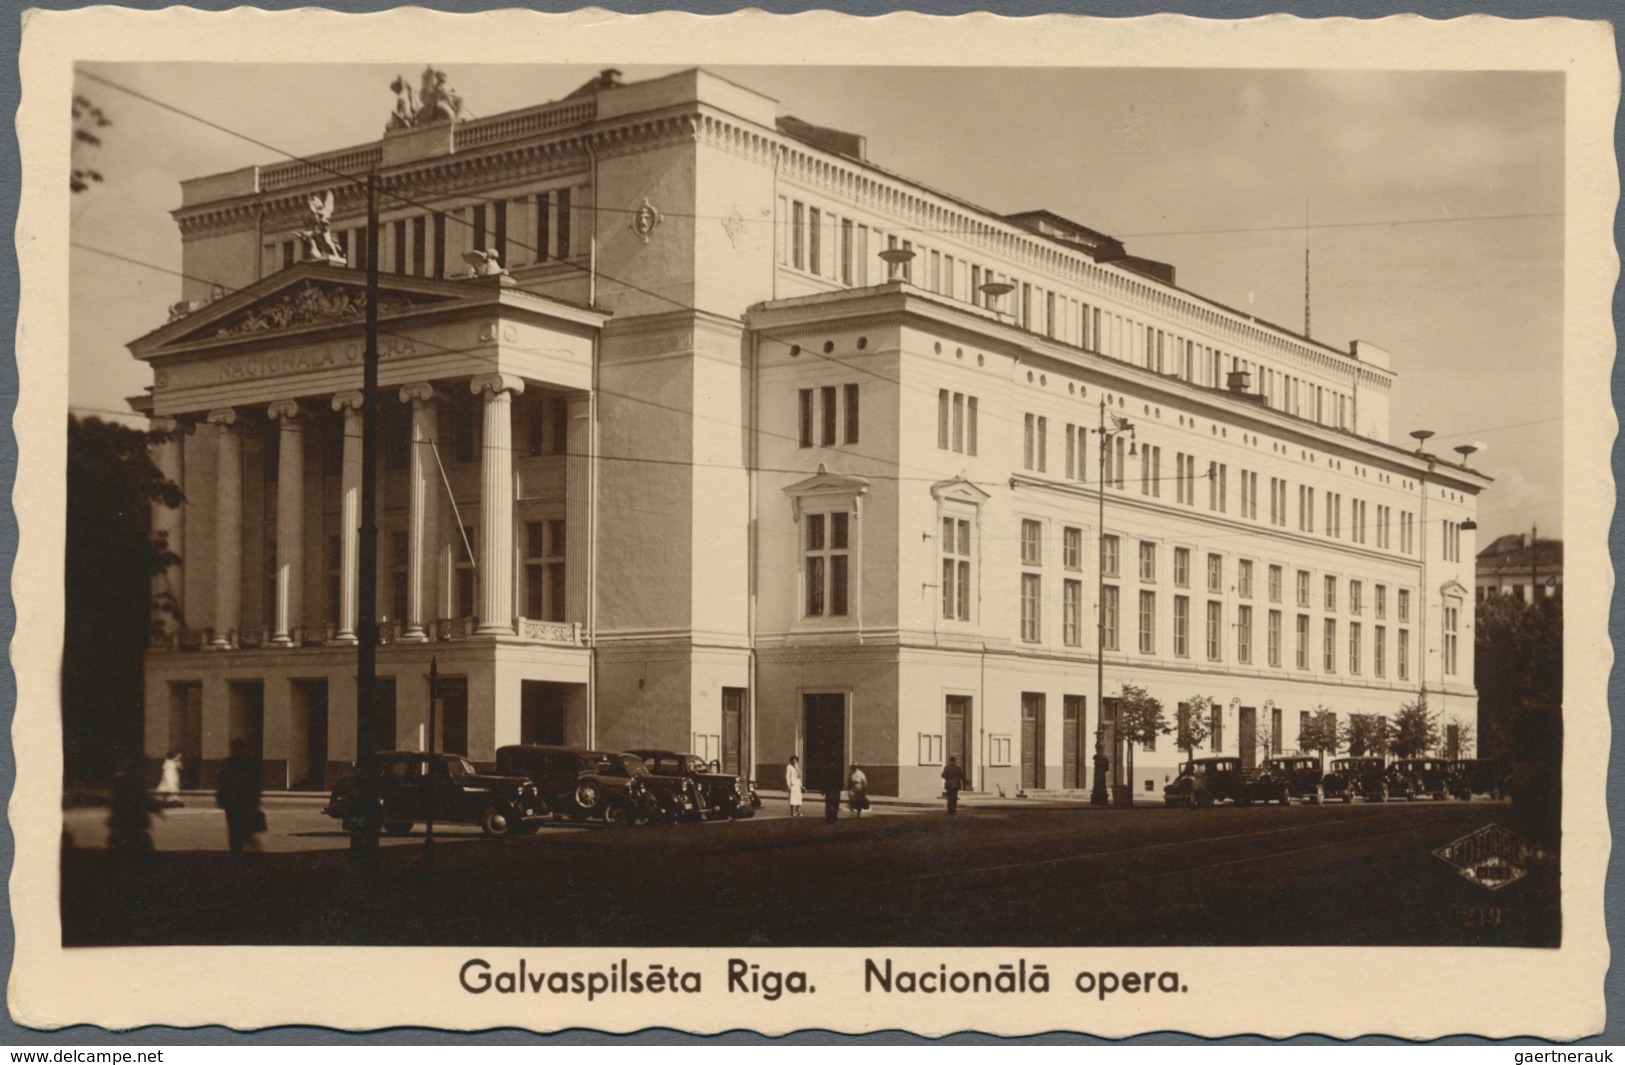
x=995 y=875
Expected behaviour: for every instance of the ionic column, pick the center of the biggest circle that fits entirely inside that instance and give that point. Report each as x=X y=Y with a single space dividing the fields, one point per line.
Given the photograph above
x=349 y=516
x=228 y=525
x=290 y=520
x=495 y=564
x=424 y=511
x=167 y=522
x=577 y=504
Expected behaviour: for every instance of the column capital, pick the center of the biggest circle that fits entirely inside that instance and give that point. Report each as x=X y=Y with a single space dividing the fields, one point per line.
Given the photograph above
x=496 y=383
x=223 y=416
x=347 y=401
x=163 y=423
x=283 y=409
x=420 y=393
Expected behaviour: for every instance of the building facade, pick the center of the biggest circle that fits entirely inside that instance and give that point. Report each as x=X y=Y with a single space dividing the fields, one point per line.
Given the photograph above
x=1511 y=566
x=754 y=449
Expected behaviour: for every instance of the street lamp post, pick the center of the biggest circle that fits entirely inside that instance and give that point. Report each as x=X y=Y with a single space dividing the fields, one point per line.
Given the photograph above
x=1421 y=437
x=1099 y=794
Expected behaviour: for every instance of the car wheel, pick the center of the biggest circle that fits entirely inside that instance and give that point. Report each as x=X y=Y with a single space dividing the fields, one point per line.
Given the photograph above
x=616 y=814
x=1348 y=797
x=499 y=821
x=1204 y=800
x=587 y=796
x=743 y=812
x=398 y=828
x=1382 y=793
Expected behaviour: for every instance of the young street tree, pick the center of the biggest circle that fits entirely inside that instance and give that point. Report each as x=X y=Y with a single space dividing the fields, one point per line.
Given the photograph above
x=1320 y=734
x=1140 y=720
x=1191 y=729
x=1455 y=737
x=1366 y=735
x=1415 y=730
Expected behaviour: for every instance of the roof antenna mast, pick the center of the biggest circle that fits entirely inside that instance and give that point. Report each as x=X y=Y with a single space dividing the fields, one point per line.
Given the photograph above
x=1306 y=268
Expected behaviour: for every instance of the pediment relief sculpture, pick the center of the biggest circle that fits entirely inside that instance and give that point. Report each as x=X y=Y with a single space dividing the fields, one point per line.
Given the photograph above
x=309 y=304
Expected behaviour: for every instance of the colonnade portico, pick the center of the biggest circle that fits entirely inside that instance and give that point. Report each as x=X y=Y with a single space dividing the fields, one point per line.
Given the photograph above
x=289 y=618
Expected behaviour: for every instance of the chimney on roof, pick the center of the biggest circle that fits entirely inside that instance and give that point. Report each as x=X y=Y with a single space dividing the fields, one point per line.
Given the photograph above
x=1237 y=381
x=609 y=78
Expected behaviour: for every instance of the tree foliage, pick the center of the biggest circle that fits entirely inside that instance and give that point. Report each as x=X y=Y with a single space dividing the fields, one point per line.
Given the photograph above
x=111 y=560
x=1320 y=733
x=87 y=119
x=1518 y=659
x=1192 y=728
x=1367 y=734
x=1416 y=729
x=1464 y=734
x=1140 y=720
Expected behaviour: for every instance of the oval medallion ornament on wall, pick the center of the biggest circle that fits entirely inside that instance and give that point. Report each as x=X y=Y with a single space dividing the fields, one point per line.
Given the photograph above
x=645 y=219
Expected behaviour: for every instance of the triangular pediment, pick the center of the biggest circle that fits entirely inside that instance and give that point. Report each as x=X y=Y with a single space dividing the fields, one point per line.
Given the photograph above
x=299 y=298
x=959 y=490
x=1453 y=589
x=825 y=483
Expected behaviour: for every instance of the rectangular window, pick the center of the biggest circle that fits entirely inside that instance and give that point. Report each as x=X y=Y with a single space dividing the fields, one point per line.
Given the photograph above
x=956 y=569
x=805 y=400
x=1108 y=616
x=1043 y=444
x=1404 y=605
x=1031 y=602
x=1216 y=726
x=846 y=251
x=1244 y=635
x=1182 y=567
x=1302 y=651
x=565 y=214
x=970 y=425
x=1329 y=595
x=1379 y=641
x=1275 y=584
x=1354 y=597
x=1303 y=587
x=1108 y=556
x=420 y=235
x=1071 y=612
x=851 y=427
x=815 y=229
x=1072 y=548
x=1215 y=629
x=826 y=553
x=1182 y=626
x=956 y=422
x=1215 y=574
x=544 y=570
x=944 y=419
x=1402 y=654
x=798 y=235
x=1451 y=624
x=1244 y=578
x=1329 y=645
x=1354 y=649
x=544 y=226
x=1148 y=623
x=1382 y=601
x=1032 y=543
x=1148 y=562
x=1273 y=638
x=827 y=423
x=465 y=575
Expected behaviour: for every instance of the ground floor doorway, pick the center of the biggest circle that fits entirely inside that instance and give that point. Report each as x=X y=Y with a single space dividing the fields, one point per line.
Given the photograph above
x=824 y=739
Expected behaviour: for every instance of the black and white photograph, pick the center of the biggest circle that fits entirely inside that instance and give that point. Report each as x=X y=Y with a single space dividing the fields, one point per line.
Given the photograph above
x=646 y=514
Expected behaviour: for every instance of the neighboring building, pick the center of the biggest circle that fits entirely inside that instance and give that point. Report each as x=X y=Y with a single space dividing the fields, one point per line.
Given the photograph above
x=721 y=467
x=1510 y=567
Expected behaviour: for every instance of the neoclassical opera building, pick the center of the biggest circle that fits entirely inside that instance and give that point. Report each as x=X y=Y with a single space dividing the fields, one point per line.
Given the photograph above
x=702 y=432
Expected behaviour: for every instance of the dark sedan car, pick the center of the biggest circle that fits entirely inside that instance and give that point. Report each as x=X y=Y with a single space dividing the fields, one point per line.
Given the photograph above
x=1303 y=775
x=579 y=784
x=1427 y=776
x=411 y=785
x=1351 y=777
x=720 y=794
x=1479 y=776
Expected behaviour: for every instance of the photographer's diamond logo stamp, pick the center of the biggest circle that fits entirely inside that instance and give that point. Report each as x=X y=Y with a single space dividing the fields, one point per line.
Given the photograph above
x=1492 y=857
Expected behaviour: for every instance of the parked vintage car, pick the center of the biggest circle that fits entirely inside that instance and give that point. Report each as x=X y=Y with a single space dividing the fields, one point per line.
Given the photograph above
x=1205 y=781
x=1479 y=776
x=1426 y=776
x=411 y=785
x=578 y=784
x=1303 y=774
x=719 y=794
x=1349 y=778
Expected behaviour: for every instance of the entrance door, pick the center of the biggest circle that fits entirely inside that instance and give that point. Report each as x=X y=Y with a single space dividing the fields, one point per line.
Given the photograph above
x=1032 y=740
x=1108 y=740
x=956 y=731
x=383 y=714
x=453 y=714
x=541 y=713
x=1248 y=730
x=186 y=729
x=307 y=742
x=1072 y=757
x=824 y=729
x=733 y=728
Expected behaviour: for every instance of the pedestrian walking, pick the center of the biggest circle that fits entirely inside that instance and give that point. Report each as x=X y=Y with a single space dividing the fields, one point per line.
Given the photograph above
x=239 y=796
x=857 y=786
x=792 y=781
x=129 y=821
x=169 y=781
x=953 y=778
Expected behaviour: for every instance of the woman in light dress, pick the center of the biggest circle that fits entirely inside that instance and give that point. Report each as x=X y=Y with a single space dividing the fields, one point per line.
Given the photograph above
x=169 y=780
x=792 y=781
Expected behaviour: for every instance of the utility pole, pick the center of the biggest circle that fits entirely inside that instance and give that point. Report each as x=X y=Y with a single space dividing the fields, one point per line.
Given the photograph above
x=364 y=822
x=1534 y=568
